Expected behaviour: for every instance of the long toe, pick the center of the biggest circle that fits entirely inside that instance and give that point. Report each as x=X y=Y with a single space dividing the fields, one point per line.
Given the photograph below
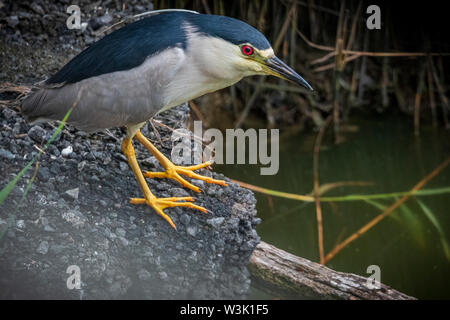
x=159 y=204
x=174 y=172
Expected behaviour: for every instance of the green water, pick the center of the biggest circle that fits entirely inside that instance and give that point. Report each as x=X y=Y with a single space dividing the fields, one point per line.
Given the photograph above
x=384 y=151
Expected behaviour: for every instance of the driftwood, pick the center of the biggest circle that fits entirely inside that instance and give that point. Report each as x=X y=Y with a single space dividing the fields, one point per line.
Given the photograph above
x=287 y=276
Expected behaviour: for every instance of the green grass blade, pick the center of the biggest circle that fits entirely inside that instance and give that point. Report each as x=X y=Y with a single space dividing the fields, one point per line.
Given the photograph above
x=375 y=204
x=10 y=186
x=408 y=217
x=347 y=198
x=364 y=197
x=58 y=130
x=380 y=207
x=434 y=221
x=30 y=183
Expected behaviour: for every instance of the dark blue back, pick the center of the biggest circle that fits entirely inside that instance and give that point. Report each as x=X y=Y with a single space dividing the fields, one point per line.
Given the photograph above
x=129 y=46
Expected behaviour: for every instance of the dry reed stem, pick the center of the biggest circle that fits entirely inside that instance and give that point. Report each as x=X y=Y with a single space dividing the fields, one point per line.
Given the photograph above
x=418 y=99
x=353 y=28
x=319 y=216
x=441 y=91
x=357 y=54
x=197 y=112
x=332 y=65
x=431 y=93
x=284 y=28
x=386 y=212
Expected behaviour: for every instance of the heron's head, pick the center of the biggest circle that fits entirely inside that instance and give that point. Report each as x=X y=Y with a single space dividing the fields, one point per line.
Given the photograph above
x=227 y=47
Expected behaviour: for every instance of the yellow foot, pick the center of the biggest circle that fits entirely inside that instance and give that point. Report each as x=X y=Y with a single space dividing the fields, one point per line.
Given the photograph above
x=174 y=172
x=159 y=204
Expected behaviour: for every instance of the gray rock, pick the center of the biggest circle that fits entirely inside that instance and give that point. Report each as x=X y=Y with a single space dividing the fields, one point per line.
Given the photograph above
x=163 y=275
x=8 y=113
x=67 y=151
x=212 y=190
x=48 y=228
x=20 y=224
x=7 y=155
x=76 y=218
x=124 y=166
x=54 y=150
x=178 y=192
x=43 y=174
x=199 y=183
x=151 y=162
x=185 y=219
x=123 y=241
x=192 y=231
x=72 y=193
x=57 y=249
x=216 y=222
x=99 y=22
x=121 y=232
x=43 y=247
x=37 y=134
x=81 y=165
x=12 y=21
x=37 y=8
x=144 y=275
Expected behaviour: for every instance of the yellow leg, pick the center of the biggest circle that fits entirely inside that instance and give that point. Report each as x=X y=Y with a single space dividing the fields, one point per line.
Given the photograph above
x=159 y=204
x=172 y=171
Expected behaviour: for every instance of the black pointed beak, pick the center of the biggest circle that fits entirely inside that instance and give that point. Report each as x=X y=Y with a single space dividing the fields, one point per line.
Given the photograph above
x=279 y=69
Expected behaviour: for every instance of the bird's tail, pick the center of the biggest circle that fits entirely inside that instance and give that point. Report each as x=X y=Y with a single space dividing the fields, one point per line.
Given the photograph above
x=32 y=106
x=41 y=104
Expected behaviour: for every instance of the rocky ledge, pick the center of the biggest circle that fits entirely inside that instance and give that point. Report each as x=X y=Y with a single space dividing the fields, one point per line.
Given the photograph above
x=77 y=216
x=77 y=212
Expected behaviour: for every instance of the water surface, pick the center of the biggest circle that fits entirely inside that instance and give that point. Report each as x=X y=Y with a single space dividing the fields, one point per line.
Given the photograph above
x=382 y=150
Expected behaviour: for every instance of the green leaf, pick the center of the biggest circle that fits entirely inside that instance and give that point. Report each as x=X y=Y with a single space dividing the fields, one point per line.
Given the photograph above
x=404 y=215
x=434 y=221
x=376 y=204
x=10 y=186
x=413 y=224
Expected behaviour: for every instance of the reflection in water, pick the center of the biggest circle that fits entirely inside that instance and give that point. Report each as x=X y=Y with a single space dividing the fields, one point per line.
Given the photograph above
x=407 y=246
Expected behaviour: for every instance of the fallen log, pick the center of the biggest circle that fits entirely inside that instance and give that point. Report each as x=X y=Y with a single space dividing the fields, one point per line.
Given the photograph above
x=290 y=277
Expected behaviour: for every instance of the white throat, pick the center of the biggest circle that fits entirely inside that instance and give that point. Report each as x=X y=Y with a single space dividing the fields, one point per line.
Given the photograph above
x=201 y=72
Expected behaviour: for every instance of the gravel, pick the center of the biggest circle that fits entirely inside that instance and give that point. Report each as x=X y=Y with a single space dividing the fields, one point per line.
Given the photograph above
x=77 y=211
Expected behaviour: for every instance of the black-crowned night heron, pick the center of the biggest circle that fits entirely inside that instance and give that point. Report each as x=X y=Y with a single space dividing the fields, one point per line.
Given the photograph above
x=150 y=66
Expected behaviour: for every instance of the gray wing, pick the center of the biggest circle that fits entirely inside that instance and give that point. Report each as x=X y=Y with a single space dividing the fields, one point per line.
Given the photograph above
x=108 y=100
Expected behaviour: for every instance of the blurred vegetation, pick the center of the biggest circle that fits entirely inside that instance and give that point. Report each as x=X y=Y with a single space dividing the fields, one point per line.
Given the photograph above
x=329 y=44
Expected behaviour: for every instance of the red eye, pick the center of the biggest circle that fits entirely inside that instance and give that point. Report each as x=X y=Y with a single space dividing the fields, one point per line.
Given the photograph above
x=247 y=50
